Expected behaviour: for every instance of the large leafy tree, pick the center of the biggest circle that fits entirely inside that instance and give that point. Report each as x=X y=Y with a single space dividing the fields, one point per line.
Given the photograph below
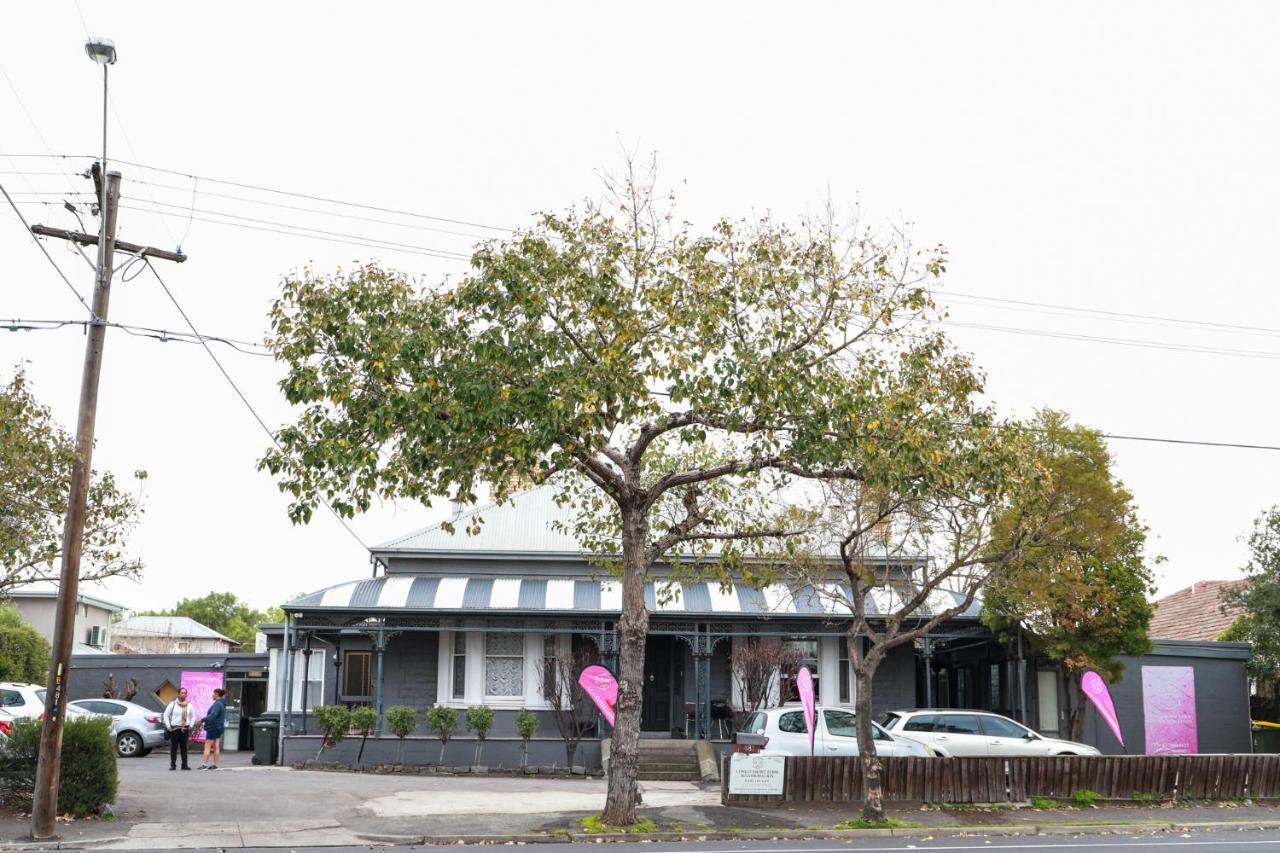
x=24 y=652
x=224 y=613
x=659 y=374
x=1259 y=624
x=36 y=458
x=1081 y=595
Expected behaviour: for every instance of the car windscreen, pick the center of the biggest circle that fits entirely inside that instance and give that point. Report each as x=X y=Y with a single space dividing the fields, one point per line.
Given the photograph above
x=887 y=719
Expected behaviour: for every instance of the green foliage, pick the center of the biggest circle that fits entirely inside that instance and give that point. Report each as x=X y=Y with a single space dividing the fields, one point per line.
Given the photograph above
x=1085 y=798
x=443 y=720
x=1044 y=803
x=526 y=725
x=1147 y=798
x=24 y=653
x=226 y=614
x=479 y=720
x=1082 y=596
x=1259 y=624
x=402 y=720
x=363 y=719
x=88 y=772
x=595 y=823
x=36 y=458
x=334 y=722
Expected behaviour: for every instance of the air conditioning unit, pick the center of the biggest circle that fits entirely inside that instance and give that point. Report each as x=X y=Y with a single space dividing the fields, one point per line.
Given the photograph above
x=97 y=636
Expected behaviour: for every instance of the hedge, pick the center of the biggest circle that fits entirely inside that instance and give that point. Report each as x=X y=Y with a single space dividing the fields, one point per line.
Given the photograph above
x=88 y=777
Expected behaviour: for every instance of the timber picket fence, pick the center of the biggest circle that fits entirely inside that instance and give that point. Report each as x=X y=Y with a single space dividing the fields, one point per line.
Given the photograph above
x=1017 y=780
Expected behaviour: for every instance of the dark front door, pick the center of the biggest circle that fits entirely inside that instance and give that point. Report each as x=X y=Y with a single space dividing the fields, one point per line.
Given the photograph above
x=659 y=653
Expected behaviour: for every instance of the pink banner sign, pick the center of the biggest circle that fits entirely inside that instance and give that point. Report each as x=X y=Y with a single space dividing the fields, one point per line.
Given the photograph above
x=1169 y=709
x=602 y=687
x=200 y=687
x=804 y=684
x=1096 y=689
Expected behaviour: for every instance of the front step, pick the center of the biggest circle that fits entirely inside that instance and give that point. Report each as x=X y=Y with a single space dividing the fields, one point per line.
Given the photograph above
x=669 y=761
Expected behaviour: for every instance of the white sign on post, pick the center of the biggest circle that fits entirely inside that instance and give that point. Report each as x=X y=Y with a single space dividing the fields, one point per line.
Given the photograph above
x=756 y=774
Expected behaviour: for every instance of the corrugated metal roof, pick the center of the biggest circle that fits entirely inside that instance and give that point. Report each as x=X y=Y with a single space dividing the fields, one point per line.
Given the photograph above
x=166 y=626
x=489 y=595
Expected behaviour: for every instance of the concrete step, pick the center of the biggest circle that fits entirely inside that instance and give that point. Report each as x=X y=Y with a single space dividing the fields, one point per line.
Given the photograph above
x=670 y=767
x=686 y=776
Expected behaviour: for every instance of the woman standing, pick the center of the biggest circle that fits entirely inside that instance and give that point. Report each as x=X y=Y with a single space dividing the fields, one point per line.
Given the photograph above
x=179 y=718
x=215 y=720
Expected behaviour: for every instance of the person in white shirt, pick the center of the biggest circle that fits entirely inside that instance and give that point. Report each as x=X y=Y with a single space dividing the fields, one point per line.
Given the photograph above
x=179 y=719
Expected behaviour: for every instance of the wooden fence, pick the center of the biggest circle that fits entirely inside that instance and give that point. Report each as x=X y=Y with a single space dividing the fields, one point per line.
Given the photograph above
x=1017 y=780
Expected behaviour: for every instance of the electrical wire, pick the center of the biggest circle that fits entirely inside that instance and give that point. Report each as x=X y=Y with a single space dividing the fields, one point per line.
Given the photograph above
x=45 y=252
x=162 y=335
x=1126 y=342
x=31 y=120
x=240 y=394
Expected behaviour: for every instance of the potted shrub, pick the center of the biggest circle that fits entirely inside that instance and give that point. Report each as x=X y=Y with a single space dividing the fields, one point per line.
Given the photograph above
x=526 y=726
x=334 y=721
x=442 y=720
x=479 y=720
x=402 y=720
x=363 y=720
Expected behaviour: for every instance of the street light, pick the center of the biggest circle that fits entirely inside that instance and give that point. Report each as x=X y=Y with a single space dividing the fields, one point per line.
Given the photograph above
x=101 y=50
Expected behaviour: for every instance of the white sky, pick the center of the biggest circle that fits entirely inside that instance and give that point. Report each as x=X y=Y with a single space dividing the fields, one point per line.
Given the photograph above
x=1101 y=155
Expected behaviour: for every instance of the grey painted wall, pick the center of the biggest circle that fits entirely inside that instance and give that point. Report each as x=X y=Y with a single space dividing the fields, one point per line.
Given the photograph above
x=894 y=684
x=1222 y=698
x=497 y=752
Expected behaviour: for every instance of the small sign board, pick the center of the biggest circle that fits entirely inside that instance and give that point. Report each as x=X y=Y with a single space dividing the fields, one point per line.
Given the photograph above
x=756 y=774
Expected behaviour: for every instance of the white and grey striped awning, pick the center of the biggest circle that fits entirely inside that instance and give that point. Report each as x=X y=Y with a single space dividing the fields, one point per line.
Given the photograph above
x=471 y=594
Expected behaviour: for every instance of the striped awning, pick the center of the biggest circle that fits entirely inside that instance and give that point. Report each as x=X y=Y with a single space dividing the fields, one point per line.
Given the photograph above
x=472 y=594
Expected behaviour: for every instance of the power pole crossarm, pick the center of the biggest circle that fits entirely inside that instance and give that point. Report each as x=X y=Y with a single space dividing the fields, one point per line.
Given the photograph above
x=120 y=245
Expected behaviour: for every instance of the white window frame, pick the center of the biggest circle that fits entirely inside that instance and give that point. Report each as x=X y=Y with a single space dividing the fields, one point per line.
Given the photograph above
x=275 y=677
x=531 y=696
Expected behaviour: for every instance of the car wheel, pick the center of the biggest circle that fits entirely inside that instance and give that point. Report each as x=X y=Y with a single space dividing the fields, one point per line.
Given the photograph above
x=145 y=751
x=129 y=745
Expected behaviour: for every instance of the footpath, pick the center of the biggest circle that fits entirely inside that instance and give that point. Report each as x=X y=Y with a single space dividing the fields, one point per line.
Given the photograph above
x=241 y=806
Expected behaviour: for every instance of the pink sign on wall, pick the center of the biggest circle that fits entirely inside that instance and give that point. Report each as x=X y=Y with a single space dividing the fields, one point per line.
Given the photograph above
x=1169 y=709
x=200 y=687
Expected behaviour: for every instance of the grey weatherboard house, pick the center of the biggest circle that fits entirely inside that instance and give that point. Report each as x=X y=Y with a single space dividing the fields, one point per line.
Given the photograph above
x=462 y=620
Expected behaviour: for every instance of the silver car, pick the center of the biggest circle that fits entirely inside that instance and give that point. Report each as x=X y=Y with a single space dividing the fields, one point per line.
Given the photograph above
x=137 y=730
x=950 y=732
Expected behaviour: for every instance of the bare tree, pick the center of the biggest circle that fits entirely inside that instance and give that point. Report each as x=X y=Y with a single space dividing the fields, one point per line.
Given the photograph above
x=756 y=665
x=571 y=707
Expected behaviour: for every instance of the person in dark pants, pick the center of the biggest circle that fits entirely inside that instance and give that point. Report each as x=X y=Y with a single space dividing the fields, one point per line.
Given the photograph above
x=179 y=719
x=215 y=720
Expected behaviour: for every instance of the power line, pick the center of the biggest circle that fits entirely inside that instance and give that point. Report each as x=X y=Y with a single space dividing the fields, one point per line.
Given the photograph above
x=45 y=251
x=1126 y=342
x=239 y=393
x=162 y=335
x=1184 y=441
x=444 y=253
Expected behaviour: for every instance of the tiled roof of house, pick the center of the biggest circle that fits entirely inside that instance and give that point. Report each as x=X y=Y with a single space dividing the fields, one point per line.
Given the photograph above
x=1194 y=613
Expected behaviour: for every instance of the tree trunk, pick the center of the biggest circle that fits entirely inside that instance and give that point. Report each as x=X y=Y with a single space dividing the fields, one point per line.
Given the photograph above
x=443 y=744
x=524 y=755
x=476 y=759
x=570 y=749
x=872 y=790
x=1075 y=692
x=360 y=754
x=401 y=754
x=633 y=628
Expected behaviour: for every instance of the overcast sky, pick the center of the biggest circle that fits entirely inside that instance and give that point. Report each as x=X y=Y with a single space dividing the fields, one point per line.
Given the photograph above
x=1116 y=157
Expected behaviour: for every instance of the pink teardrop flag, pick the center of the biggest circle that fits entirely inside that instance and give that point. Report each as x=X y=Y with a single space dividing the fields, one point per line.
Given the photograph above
x=1096 y=689
x=602 y=687
x=804 y=684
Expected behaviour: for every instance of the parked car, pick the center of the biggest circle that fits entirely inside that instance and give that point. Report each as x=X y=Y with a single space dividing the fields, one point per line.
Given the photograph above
x=26 y=701
x=834 y=733
x=137 y=730
x=948 y=732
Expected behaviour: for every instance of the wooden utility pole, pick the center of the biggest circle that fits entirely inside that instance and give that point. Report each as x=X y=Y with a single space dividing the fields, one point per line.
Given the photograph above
x=45 y=807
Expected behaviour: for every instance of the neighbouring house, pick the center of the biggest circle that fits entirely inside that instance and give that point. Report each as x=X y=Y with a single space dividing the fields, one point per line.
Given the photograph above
x=167 y=635
x=1194 y=613
x=38 y=605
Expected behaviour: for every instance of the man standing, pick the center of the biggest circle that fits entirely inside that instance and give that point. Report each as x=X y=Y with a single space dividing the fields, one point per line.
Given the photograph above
x=215 y=719
x=179 y=718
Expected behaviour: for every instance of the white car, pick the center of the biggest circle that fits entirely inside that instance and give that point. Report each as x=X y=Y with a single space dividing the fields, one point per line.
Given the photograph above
x=949 y=732
x=26 y=701
x=834 y=733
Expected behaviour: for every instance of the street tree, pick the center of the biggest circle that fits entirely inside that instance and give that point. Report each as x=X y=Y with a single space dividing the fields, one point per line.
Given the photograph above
x=908 y=543
x=24 y=652
x=36 y=458
x=666 y=380
x=1080 y=596
x=225 y=613
x=1259 y=599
